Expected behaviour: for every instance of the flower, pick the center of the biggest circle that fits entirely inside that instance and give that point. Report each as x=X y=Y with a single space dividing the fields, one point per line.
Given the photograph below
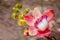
x=39 y=23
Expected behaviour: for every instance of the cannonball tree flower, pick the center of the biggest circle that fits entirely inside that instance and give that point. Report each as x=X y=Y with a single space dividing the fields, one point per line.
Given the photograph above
x=39 y=22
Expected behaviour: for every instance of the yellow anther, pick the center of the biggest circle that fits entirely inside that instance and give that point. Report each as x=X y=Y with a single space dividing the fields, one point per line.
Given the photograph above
x=14 y=16
x=25 y=31
x=26 y=10
x=20 y=17
x=16 y=9
x=19 y=5
x=21 y=22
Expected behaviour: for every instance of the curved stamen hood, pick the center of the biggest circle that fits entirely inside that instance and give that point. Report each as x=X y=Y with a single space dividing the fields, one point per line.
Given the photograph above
x=43 y=24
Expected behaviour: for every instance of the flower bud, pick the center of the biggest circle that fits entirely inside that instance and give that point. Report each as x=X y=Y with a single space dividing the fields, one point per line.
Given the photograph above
x=19 y=6
x=21 y=22
x=14 y=16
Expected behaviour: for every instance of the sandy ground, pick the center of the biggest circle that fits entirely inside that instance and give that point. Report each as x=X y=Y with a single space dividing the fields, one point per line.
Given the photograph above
x=9 y=30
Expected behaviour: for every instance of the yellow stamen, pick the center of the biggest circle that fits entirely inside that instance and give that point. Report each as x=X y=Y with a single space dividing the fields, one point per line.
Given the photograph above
x=25 y=31
x=21 y=22
x=26 y=11
x=16 y=9
x=19 y=5
x=14 y=16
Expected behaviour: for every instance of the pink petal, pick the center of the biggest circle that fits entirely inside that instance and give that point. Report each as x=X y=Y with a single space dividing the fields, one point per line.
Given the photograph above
x=32 y=31
x=43 y=33
x=29 y=19
x=37 y=12
x=49 y=13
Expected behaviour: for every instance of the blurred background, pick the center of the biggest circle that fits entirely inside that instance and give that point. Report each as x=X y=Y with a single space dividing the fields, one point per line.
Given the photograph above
x=9 y=29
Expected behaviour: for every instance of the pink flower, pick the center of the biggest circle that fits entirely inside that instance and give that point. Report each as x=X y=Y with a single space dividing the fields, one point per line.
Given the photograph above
x=39 y=25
